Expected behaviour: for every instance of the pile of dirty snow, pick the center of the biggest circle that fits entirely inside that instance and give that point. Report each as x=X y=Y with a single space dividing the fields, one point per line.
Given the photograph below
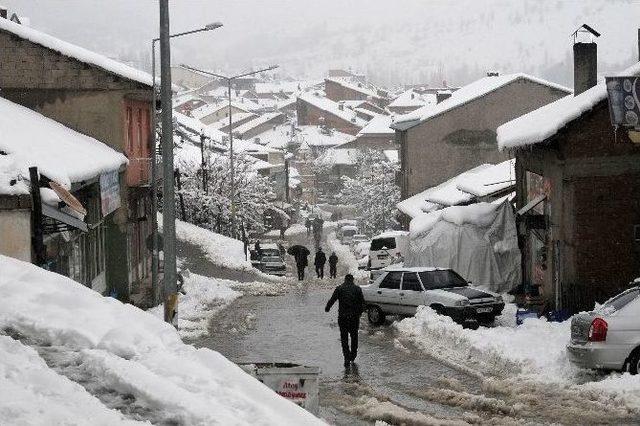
x=127 y=361
x=204 y=298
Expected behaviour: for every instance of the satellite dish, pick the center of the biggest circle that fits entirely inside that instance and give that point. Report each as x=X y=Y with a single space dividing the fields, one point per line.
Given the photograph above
x=68 y=198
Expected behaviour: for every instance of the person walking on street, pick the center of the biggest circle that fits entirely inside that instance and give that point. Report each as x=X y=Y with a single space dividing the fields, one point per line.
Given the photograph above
x=301 y=263
x=350 y=307
x=307 y=223
x=319 y=262
x=333 y=265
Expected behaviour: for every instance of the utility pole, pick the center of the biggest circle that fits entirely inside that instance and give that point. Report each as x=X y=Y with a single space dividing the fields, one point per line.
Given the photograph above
x=168 y=197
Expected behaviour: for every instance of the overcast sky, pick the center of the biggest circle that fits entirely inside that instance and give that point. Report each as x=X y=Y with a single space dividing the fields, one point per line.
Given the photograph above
x=393 y=41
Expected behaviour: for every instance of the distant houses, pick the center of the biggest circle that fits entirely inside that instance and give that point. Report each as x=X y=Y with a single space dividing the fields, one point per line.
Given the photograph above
x=314 y=109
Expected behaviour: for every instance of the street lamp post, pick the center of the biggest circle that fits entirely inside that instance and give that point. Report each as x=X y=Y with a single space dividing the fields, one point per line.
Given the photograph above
x=165 y=81
x=229 y=81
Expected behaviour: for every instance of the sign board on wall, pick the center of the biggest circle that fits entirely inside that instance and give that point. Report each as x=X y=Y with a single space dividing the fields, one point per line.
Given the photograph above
x=109 y=192
x=623 y=95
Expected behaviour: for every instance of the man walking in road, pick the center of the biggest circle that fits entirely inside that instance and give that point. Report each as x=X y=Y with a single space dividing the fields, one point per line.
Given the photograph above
x=350 y=307
x=319 y=262
x=333 y=265
x=301 y=262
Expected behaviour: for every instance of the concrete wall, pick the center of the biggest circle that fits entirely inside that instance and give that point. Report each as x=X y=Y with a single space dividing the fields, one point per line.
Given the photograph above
x=15 y=234
x=464 y=137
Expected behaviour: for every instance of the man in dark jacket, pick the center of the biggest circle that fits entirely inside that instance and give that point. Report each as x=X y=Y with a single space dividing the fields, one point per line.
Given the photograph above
x=319 y=262
x=333 y=265
x=350 y=307
x=301 y=263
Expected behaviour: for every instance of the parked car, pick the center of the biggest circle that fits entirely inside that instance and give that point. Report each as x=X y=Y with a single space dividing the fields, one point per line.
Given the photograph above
x=346 y=234
x=346 y=222
x=608 y=338
x=274 y=265
x=385 y=249
x=400 y=291
x=359 y=238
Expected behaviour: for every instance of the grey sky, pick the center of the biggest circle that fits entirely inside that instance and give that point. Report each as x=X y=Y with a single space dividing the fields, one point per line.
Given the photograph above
x=393 y=41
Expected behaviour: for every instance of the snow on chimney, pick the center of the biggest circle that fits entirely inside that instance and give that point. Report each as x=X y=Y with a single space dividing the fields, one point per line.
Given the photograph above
x=341 y=105
x=585 y=59
x=3 y=12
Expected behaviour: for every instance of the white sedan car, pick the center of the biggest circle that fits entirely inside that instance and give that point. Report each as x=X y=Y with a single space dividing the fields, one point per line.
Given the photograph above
x=399 y=291
x=608 y=338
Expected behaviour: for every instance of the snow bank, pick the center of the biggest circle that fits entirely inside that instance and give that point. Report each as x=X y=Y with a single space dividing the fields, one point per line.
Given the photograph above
x=204 y=298
x=220 y=250
x=478 y=214
x=345 y=257
x=501 y=351
x=32 y=394
x=124 y=351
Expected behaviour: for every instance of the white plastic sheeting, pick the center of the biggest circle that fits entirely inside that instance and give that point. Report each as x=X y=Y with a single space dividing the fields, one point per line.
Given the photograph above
x=478 y=241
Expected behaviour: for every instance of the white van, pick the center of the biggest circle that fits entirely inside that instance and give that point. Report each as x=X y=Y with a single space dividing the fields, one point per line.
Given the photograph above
x=387 y=248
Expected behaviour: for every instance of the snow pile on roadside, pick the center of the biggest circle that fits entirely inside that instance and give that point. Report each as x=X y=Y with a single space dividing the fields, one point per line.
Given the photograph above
x=34 y=394
x=537 y=347
x=204 y=298
x=116 y=350
x=221 y=250
x=295 y=229
x=345 y=256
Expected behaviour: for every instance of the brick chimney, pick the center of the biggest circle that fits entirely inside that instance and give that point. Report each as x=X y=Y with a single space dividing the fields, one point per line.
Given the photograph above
x=585 y=60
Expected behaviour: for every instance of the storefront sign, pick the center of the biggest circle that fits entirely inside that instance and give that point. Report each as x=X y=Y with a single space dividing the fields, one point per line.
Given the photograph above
x=109 y=192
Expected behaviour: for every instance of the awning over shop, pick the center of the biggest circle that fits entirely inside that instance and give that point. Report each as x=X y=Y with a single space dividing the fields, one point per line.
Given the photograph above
x=65 y=218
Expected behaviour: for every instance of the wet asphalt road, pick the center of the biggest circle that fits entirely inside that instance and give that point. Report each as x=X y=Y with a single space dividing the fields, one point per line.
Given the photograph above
x=394 y=381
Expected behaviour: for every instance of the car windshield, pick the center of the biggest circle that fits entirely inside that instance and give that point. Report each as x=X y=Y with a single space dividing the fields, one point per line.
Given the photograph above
x=441 y=279
x=349 y=232
x=619 y=302
x=383 y=243
x=271 y=259
x=270 y=252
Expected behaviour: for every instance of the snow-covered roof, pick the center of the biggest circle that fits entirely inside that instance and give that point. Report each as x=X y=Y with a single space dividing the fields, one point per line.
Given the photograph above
x=379 y=124
x=348 y=82
x=544 y=122
x=60 y=153
x=489 y=180
x=284 y=86
x=341 y=156
x=465 y=95
x=76 y=52
x=392 y=155
x=411 y=98
x=313 y=135
x=209 y=109
x=261 y=119
x=240 y=145
x=445 y=194
x=197 y=126
x=235 y=117
x=478 y=214
x=333 y=108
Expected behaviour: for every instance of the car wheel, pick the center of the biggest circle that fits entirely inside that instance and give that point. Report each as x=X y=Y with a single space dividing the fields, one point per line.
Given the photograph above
x=633 y=364
x=375 y=315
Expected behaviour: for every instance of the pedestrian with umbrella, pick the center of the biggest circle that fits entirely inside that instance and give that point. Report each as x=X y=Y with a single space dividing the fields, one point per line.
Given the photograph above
x=300 y=254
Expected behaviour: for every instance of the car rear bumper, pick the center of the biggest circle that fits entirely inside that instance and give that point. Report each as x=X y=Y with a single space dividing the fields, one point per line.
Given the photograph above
x=598 y=355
